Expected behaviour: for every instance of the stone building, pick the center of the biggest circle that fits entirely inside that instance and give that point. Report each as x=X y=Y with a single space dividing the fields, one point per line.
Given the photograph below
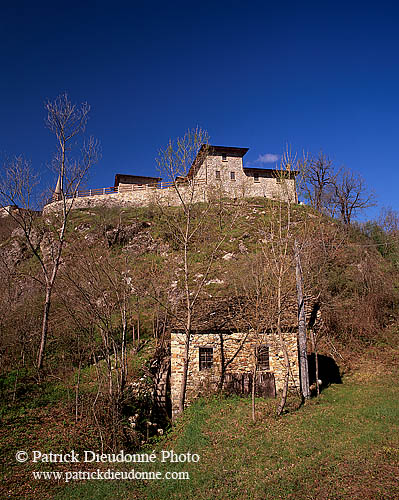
x=215 y=169
x=222 y=167
x=227 y=359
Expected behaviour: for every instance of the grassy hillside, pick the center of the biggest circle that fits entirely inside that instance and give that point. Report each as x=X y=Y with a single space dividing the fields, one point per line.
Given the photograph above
x=122 y=275
x=353 y=272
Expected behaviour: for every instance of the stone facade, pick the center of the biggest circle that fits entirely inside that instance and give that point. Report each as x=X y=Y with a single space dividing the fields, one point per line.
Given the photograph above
x=242 y=347
x=130 y=197
x=222 y=168
x=219 y=170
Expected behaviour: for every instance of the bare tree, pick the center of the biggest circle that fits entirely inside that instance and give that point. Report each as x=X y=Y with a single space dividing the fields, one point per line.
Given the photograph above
x=180 y=162
x=389 y=221
x=255 y=308
x=18 y=193
x=66 y=121
x=267 y=287
x=351 y=195
x=278 y=253
x=319 y=175
x=100 y=303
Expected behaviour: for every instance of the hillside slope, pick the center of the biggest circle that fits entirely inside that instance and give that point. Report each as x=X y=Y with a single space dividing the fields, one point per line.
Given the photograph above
x=120 y=291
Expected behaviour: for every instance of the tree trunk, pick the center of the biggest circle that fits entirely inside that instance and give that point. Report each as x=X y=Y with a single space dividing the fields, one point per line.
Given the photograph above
x=43 y=339
x=138 y=325
x=123 y=347
x=283 y=347
x=183 y=386
x=77 y=391
x=15 y=386
x=284 y=394
x=302 y=342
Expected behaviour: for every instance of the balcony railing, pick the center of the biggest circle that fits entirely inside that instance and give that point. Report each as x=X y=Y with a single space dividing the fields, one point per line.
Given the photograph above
x=129 y=188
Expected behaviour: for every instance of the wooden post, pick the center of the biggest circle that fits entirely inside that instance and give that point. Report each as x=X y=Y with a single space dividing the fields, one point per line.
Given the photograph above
x=253 y=389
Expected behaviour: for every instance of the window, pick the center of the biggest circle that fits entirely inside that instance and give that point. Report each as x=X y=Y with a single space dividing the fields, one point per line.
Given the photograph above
x=224 y=157
x=232 y=176
x=217 y=174
x=262 y=357
x=205 y=358
x=256 y=177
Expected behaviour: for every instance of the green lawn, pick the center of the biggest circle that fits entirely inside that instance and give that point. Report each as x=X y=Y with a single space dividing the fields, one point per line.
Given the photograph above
x=344 y=445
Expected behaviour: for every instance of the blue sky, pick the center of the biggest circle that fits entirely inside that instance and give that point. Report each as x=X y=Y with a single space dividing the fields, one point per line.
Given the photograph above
x=316 y=75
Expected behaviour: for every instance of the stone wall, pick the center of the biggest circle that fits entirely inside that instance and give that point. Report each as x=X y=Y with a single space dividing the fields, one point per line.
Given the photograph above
x=243 y=185
x=206 y=381
x=137 y=197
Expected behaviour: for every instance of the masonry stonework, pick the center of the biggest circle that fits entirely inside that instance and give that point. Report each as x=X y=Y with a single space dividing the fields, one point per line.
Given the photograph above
x=241 y=347
x=230 y=176
x=134 y=198
x=220 y=170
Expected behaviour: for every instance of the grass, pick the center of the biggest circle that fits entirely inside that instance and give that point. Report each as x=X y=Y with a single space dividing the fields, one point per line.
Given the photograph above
x=343 y=445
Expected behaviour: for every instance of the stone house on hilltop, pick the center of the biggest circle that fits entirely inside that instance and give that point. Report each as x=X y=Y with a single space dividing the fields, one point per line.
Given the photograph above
x=216 y=168
x=222 y=167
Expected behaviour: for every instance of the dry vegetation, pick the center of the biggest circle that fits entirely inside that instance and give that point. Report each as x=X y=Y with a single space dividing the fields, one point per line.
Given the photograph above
x=120 y=290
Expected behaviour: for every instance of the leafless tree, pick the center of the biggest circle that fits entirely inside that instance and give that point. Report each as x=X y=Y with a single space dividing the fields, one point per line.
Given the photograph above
x=319 y=175
x=100 y=303
x=351 y=195
x=255 y=309
x=389 y=221
x=278 y=252
x=179 y=163
x=267 y=287
x=17 y=187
